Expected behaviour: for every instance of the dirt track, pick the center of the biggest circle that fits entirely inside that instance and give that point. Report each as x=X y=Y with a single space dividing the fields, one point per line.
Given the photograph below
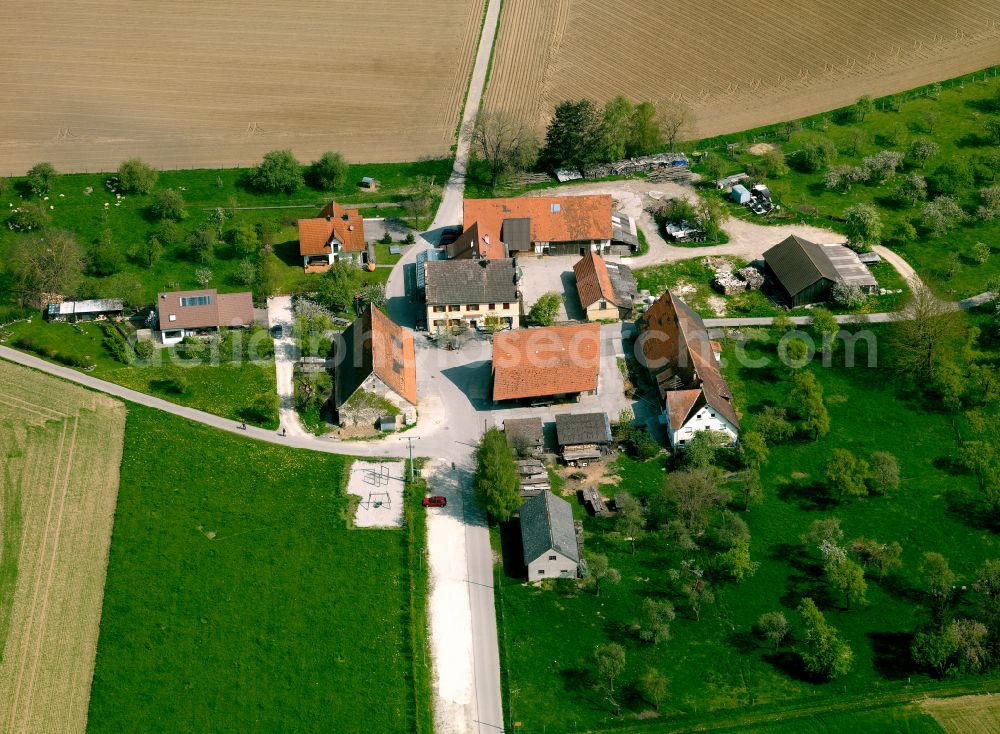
x=88 y=83
x=737 y=65
x=62 y=446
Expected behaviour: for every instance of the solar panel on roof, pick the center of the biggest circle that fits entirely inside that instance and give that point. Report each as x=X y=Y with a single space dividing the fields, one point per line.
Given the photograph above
x=195 y=301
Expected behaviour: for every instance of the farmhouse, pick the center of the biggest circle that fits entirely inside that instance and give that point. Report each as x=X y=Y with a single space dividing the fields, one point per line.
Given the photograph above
x=525 y=435
x=337 y=235
x=85 y=310
x=191 y=313
x=466 y=292
x=548 y=538
x=556 y=225
x=684 y=365
x=547 y=364
x=606 y=290
x=582 y=436
x=806 y=272
x=374 y=369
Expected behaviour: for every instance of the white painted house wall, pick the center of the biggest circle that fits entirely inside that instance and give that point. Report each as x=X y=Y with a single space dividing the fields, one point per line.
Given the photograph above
x=552 y=565
x=705 y=418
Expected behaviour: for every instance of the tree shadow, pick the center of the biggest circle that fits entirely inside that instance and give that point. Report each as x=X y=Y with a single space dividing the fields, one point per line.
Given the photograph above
x=983 y=104
x=968 y=508
x=578 y=680
x=898 y=588
x=788 y=663
x=809 y=585
x=950 y=466
x=809 y=496
x=973 y=140
x=288 y=252
x=745 y=642
x=891 y=654
x=512 y=550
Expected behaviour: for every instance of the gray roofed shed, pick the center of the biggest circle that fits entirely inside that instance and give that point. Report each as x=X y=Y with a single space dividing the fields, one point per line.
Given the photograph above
x=576 y=429
x=470 y=281
x=515 y=232
x=524 y=432
x=547 y=524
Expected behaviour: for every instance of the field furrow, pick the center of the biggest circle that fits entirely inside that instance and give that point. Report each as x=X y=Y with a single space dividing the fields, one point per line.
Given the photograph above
x=737 y=65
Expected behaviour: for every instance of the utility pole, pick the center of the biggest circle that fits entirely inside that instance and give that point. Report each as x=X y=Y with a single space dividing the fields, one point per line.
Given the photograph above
x=409 y=441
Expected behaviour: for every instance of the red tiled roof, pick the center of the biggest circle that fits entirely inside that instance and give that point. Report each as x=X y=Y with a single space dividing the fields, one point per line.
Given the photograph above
x=689 y=352
x=393 y=355
x=554 y=360
x=335 y=222
x=679 y=406
x=592 y=281
x=228 y=309
x=553 y=218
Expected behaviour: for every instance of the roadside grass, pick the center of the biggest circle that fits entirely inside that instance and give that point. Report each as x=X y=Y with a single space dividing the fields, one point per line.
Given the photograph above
x=907 y=719
x=236 y=390
x=692 y=281
x=383 y=256
x=717 y=664
x=237 y=598
x=204 y=190
x=240 y=391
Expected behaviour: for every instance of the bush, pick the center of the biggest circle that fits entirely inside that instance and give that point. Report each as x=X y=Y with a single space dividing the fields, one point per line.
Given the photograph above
x=115 y=343
x=40 y=178
x=279 y=172
x=144 y=349
x=28 y=217
x=136 y=176
x=543 y=313
x=941 y=215
x=920 y=151
x=951 y=177
x=814 y=155
x=329 y=172
x=168 y=204
x=848 y=295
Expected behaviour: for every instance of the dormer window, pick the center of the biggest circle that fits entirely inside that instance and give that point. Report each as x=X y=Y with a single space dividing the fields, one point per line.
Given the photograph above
x=172 y=317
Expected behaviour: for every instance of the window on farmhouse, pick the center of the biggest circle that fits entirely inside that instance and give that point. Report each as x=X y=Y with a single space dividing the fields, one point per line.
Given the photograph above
x=473 y=307
x=492 y=306
x=541 y=571
x=454 y=308
x=439 y=309
x=552 y=558
x=506 y=305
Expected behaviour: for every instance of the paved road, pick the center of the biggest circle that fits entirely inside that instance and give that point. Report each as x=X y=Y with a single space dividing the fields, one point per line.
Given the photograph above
x=286 y=352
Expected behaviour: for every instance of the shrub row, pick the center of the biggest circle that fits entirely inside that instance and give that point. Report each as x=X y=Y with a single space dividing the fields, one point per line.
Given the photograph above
x=84 y=361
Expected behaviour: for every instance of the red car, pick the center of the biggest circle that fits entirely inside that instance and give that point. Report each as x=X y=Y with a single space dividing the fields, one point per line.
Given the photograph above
x=436 y=501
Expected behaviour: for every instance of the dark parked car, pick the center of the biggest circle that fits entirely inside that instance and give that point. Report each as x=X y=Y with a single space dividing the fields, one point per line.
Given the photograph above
x=277 y=331
x=436 y=501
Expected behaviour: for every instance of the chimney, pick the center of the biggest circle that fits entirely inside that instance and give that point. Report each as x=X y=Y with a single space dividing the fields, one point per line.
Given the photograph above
x=328 y=217
x=346 y=216
x=350 y=228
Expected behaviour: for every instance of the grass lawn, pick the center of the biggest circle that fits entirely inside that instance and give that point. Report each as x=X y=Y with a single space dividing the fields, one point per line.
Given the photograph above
x=240 y=391
x=241 y=601
x=205 y=190
x=716 y=664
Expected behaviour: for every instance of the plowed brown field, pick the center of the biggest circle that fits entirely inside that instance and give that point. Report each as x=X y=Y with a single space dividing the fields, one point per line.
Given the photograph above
x=86 y=83
x=60 y=451
x=736 y=64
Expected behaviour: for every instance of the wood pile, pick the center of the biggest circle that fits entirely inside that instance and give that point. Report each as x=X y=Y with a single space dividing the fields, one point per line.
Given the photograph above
x=533 y=477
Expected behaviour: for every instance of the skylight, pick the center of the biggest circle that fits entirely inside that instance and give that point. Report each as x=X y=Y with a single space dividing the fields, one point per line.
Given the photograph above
x=556 y=208
x=195 y=301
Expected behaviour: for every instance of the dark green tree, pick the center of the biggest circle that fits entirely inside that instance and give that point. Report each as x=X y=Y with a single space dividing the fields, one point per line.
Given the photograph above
x=278 y=172
x=135 y=176
x=574 y=137
x=327 y=173
x=496 y=483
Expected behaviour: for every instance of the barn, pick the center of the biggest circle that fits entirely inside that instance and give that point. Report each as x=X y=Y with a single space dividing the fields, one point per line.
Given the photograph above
x=805 y=272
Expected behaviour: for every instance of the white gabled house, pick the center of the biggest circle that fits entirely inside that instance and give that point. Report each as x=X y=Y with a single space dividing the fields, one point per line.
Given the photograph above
x=548 y=537
x=684 y=364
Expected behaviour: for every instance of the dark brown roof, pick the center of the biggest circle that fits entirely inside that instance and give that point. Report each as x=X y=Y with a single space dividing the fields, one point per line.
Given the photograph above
x=799 y=263
x=528 y=430
x=573 y=429
x=692 y=349
x=374 y=344
x=227 y=309
x=553 y=360
x=470 y=281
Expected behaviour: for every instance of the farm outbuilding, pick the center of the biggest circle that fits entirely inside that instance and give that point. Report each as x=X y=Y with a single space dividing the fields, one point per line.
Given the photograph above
x=548 y=537
x=739 y=194
x=525 y=435
x=806 y=272
x=85 y=310
x=582 y=436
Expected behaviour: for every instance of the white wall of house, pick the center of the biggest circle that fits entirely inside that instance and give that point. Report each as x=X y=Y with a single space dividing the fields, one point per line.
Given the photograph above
x=473 y=314
x=552 y=565
x=705 y=418
x=600 y=246
x=602 y=310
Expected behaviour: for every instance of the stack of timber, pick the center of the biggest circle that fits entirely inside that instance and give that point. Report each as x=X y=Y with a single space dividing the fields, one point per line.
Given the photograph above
x=533 y=477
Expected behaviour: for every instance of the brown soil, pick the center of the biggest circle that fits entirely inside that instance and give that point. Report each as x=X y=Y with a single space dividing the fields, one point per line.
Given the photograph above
x=87 y=83
x=807 y=57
